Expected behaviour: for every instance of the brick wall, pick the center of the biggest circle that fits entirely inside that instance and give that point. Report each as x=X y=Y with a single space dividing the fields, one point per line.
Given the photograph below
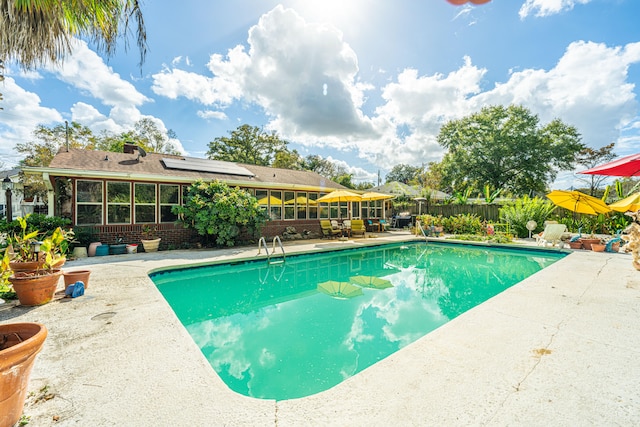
x=177 y=237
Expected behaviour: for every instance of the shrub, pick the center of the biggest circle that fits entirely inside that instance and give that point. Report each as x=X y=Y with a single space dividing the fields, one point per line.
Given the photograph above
x=462 y=224
x=215 y=209
x=523 y=210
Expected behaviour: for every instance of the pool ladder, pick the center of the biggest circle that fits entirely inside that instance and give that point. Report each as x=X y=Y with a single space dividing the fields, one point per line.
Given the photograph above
x=276 y=240
x=419 y=227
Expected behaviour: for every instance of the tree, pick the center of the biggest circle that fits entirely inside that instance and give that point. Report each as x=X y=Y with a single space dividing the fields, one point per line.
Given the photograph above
x=588 y=157
x=319 y=165
x=247 y=144
x=48 y=140
x=215 y=209
x=286 y=159
x=403 y=173
x=34 y=32
x=147 y=135
x=507 y=149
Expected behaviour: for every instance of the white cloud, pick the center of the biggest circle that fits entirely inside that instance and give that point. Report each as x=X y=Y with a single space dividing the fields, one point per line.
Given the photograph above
x=86 y=71
x=302 y=75
x=22 y=112
x=544 y=8
x=208 y=114
x=588 y=88
x=305 y=79
x=358 y=174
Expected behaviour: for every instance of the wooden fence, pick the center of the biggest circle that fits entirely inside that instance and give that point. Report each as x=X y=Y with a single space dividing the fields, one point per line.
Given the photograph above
x=486 y=212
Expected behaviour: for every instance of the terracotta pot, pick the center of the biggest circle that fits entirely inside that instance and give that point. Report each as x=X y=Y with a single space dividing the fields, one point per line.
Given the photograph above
x=35 y=290
x=586 y=243
x=92 y=248
x=19 y=266
x=598 y=247
x=24 y=342
x=575 y=245
x=71 y=277
x=151 y=245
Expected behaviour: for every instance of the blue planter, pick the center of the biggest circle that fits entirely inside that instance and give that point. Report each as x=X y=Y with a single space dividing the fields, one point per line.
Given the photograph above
x=118 y=249
x=102 y=250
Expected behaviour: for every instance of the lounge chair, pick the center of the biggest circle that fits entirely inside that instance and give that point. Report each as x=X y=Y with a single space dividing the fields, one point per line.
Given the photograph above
x=358 y=228
x=372 y=226
x=328 y=230
x=553 y=233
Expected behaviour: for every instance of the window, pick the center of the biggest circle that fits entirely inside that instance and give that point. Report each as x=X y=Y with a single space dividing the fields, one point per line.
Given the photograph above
x=145 y=207
x=118 y=202
x=88 y=202
x=301 y=206
x=313 y=206
x=323 y=209
x=169 y=197
x=275 y=205
x=289 y=205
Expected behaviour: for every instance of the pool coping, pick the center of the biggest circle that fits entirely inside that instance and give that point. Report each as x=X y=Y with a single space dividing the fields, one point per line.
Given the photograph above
x=558 y=348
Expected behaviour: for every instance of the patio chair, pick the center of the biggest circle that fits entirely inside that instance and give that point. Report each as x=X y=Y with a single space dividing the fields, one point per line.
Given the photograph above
x=358 y=228
x=328 y=230
x=384 y=225
x=553 y=233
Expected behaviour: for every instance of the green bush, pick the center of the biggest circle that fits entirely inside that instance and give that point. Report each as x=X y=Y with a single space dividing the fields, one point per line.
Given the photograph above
x=523 y=210
x=46 y=225
x=215 y=209
x=462 y=224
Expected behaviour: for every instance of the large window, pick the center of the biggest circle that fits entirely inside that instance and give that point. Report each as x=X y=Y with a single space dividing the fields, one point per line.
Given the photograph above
x=301 y=205
x=275 y=205
x=145 y=198
x=289 y=205
x=169 y=197
x=323 y=209
x=88 y=202
x=313 y=206
x=118 y=202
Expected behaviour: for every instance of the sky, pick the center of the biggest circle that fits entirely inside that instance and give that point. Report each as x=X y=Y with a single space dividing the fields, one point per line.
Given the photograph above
x=364 y=83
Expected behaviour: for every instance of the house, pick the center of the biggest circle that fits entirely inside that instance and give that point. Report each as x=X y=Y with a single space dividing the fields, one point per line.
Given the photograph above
x=117 y=194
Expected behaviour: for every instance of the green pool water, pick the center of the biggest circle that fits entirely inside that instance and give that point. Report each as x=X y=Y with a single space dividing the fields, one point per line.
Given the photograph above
x=275 y=332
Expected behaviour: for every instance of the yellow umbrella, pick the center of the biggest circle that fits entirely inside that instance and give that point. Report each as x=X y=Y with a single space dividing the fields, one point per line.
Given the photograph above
x=578 y=202
x=372 y=195
x=340 y=290
x=270 y=200
x=340 y=196
x=628 y=204
x=301 y=201
x=371 y=282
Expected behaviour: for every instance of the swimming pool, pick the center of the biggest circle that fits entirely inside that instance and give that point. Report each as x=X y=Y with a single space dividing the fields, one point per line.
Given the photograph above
x=290 y=330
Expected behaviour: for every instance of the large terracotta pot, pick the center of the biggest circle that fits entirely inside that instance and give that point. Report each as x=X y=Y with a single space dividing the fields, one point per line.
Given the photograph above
x=71 y=277
x=586 y=243
x=17 y=354
x=35 y=290
x=19 y=266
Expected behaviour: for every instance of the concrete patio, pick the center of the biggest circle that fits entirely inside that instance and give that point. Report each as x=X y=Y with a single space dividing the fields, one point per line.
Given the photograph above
x=560 y=348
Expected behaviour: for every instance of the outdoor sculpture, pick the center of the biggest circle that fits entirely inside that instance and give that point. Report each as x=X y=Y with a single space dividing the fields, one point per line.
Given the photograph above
x=633 y=237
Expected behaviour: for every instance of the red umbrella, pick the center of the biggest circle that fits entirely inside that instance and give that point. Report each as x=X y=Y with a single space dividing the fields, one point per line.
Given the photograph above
x=624 y=166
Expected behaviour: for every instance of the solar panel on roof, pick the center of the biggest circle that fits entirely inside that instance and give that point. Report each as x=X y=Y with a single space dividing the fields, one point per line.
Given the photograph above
x=205 y=165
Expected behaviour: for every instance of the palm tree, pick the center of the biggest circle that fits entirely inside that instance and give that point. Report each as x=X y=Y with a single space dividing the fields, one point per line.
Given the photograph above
x=33 y=32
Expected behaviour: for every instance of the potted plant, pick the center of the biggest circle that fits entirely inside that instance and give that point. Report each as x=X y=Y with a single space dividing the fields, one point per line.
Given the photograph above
x=36 y=284
x=150 y=240
x=598 y=246
x=19 y=345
